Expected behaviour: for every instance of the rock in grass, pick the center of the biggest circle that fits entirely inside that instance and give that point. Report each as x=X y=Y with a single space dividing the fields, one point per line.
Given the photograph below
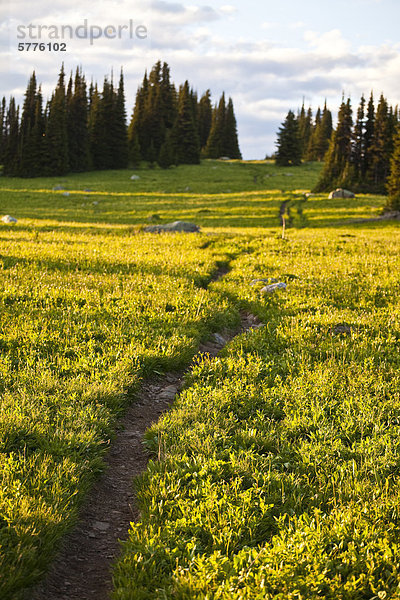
x=9 y=219
x=264 y=280
x=184 y=226
x=135 y=177
x=271 y=289
x=341 y=328
x=65 y=193
x=341 y=193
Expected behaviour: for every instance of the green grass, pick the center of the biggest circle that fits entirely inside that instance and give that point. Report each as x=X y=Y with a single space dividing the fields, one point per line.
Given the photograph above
x=279 y=462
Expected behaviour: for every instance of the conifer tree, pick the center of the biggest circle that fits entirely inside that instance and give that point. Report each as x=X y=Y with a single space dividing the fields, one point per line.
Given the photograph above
x=28 y=109
x=135 y=129
x=184 y=134
x=338 y=159
x=166 y=156
x=304 y=120
x=11 y=139
x=37 y=140
x=107 y=122
x=214 y=146
x=154 y=117
x=311 y=153
x=379 y=151
x=230 y=142
x=168 y=98
x=368 y=136
x=324 y=134
x=119 y=138
x=358 y=143
x=96 y=126
x=25 y=164
x=77 y=119
x=3 y=112
x=56 y=132
x=289 y=143
x=393 y=184
x=134 y=152
x=301 y=120
x=204 y=118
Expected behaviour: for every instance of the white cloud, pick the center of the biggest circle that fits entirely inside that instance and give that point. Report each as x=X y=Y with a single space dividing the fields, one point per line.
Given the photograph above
x=267 y=25
x=330 y=43
x=228 y=9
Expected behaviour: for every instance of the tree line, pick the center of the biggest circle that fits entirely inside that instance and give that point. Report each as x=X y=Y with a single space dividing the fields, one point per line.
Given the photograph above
x=173 y=126
x=303 y=137
x=83 y=128
x=358 y=154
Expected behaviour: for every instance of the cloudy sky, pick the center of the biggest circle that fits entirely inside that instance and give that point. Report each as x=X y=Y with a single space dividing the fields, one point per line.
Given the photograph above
x=267 y=54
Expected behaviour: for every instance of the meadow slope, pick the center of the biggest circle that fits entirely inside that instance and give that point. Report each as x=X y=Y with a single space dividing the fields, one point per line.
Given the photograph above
x=277 y=469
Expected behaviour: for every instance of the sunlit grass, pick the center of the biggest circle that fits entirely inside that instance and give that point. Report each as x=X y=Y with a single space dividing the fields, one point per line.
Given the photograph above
x=288 y=438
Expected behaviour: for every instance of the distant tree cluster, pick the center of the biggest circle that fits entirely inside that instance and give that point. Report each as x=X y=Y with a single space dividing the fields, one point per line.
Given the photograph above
x=76 y=130
x=81 y=129
x=302 y=137
x=360 y=152
x=171 y=126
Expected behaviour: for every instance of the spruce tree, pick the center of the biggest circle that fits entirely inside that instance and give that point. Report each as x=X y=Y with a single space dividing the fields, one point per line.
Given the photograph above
x=230 y=141
x=3 y=112
x=358 y=144
x=153 y=115
x=25 y=166
x=77 y=119
x=96 y=128
x=166 y=156
x=204 y=118
x=135 y=129
x=107 y=122
x=311 y=153
x=37 y=140
x=184 y=138
x=393 y=184
x=301 y=122
x=305 y=132
x=336 y=171
x=168 y=96
x=56 y=132
x=368 y=136
x=288 y=143
x=324 y=134
x=379 y=152
x=214 y=146
x=119 y=138
x=134 y=152
x=11 y=136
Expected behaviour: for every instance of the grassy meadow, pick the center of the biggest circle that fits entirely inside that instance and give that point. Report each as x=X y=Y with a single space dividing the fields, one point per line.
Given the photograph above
x=275 y=475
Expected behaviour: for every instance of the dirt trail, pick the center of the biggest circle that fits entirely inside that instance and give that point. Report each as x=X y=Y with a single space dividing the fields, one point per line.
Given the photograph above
x=81 y=571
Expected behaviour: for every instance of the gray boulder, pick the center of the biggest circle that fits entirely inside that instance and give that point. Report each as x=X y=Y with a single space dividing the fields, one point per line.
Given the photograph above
x=184 y=226
x=341 y=193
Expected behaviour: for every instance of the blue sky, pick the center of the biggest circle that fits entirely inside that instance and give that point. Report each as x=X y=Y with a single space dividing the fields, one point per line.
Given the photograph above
x=267 y=55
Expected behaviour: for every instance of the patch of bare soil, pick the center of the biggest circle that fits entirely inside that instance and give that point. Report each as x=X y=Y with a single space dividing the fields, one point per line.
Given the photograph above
x=81 y=571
